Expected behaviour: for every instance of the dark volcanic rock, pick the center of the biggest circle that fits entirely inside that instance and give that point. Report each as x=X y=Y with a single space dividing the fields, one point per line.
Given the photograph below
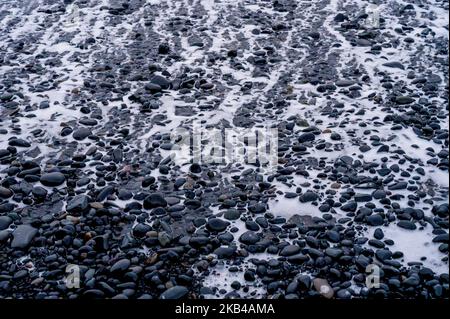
x=217 y=224
x=81 y=133
x=5 y=221
x=53 y=179
x=177 y=292
x=78 y=204
x=22 y=236
x=154 y=201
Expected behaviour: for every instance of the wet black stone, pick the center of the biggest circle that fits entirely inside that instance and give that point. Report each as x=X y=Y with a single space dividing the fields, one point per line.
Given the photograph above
x=257 y=208
x=441 y=210
x=5 y=192
x=217 y=224
x=18 y=142
x=298 y=259
x=6 y=207
x=335 y=136
x=443 y=238
x=350 y=206
x=309 y=197
x=163 y=48
x=224 y=252
x=394 y=64
x=196 y=168
x=4 y=153
x=78 y=204
x=232 y=214
x=363 y=197
x=177 y=292
x=402 y=100
x=161 y=81
x=195 y=41
x=378 y=234
x=94 y=294
x=154 y=201
x=290 y=250
x=120 y=266
x=406 y=224
x=379 y=194
x=53 y=179
x=5 y=221
x=104 y=193
x=39 y=192
x=23 y=236
x=375 y=220
x=81 y=133
x=306 y=137
x=249 y=238
x=333 y=236
x=398 y=186
x=147 y=181
x=383 y=254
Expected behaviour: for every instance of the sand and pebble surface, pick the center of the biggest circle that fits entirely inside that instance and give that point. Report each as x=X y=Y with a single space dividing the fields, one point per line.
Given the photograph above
x=91 y=92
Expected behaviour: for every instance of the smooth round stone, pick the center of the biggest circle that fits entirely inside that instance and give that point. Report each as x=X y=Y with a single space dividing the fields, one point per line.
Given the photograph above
x=140 y=230
x=306 y=137
x=404 y=100
x=375 y=220
x=5 y=192
x=335 y=136
x=251 y=225
x=120 y=266
x=350 y=206
x=18 y=142
x=22 y=236
x=195 y=168
x=406 y=224
x=344 y=83
x=309 y=197
x=4 y=235
x=379 y=194
x=232 y=214
x=124 y=194
x=224 y=252
x=249 y=238
x=5 y=221
x=333 y=252
x=154 y=201
x=78 y=204
x=383 y=254
x=363 y=198
x=177 y=292
x=441 y=210
x=364 y=148
x=290 y=250
x=217 y=224
x=333 y=236
x=81 y=133
x=53 y=179
x=343 y=294
x=94 y=294
x=258 y=208
x=39 y=192
x=161 y=81
x=378 y=234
